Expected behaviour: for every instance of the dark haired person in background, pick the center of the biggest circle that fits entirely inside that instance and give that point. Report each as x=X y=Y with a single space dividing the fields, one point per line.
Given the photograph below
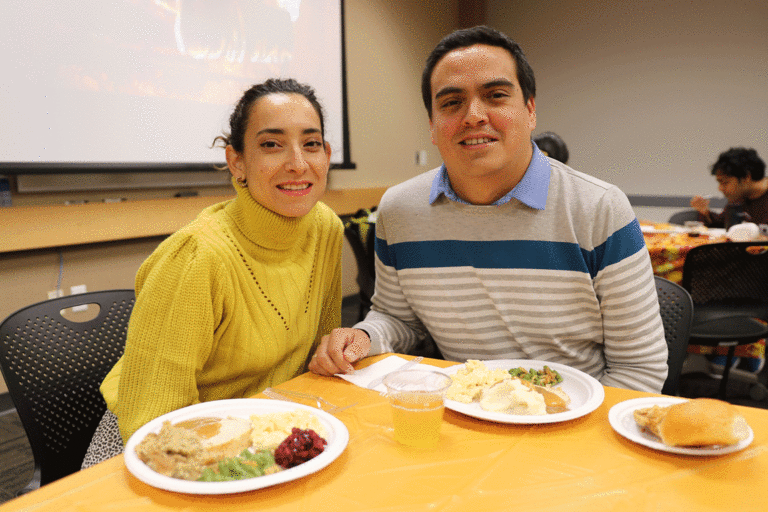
x=239 y=299
x=501 y=252
x=552 y=145
x=740 y=175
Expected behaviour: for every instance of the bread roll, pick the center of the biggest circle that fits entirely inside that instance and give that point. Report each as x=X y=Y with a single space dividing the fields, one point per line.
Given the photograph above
x=702 y=422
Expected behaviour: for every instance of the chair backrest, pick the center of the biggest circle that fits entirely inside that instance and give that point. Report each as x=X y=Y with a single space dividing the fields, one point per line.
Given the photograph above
x=682 y=216
x=730 y=275
x=53 y=367
x=361 y=235
x=677 y=316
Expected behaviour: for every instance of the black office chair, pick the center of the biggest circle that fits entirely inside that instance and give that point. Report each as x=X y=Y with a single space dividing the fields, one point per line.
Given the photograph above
x=728 y=283
x=682 y=216
x=361 y=235
x=676 y=308
x=53 y=367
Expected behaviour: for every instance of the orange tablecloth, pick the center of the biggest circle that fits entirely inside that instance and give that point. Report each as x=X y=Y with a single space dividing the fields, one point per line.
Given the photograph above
x=579 y=465
x=668 y=251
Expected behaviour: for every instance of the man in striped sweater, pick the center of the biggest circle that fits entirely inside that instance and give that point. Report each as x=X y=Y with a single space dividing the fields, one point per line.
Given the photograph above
x=501 y=252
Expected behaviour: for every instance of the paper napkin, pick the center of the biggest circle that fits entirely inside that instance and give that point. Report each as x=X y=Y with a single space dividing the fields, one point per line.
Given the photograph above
x=365 y=376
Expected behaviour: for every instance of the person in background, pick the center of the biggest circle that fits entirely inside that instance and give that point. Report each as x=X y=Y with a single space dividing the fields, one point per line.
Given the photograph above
x=501 y=252
x=552 y=146
x=239 y=299
x=740 y=175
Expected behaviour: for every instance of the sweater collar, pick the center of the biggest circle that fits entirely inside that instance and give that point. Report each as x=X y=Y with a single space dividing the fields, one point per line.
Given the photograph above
x=262 y=226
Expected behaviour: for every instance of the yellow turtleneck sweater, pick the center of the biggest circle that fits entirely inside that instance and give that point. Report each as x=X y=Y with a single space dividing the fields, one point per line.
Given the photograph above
x=232 y=303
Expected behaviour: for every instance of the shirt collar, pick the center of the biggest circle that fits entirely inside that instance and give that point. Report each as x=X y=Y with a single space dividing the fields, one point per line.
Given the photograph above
x=531 y=191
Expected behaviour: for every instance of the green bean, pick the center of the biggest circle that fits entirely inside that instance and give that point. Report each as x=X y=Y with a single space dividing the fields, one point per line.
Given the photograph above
x=236 y=468
x=538 y=377
x=208 y=475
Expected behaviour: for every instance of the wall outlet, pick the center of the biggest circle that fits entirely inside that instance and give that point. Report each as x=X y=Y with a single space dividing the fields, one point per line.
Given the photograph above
x=53 y=294
x=74 y=290
x=421 y=158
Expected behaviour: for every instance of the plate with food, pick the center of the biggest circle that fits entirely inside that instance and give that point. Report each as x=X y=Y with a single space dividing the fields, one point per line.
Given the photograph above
x=700 y=426
x=525 y=391
x=229 y=446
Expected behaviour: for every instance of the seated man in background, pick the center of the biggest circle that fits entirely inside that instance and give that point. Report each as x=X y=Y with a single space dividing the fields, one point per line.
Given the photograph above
x=552 y=146
x=503 y=253
x=740 y=175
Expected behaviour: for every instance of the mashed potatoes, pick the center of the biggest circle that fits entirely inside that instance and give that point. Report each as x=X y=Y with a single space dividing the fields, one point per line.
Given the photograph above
x=269 y=430
x=513 y=397
x=497 y=391
x=470 y=381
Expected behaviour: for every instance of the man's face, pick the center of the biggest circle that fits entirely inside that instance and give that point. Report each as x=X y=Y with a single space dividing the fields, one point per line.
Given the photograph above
x=480 y=122
x=734 y=189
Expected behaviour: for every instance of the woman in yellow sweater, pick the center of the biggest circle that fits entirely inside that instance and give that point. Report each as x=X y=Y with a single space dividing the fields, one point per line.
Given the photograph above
x=239 y=299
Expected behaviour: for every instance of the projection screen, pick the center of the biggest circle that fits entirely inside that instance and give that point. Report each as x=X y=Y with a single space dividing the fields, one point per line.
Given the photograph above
x=145 y=85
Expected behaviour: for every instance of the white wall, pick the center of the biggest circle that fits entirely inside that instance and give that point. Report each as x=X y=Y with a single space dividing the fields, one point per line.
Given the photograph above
x=387 y=44
x=646 y=94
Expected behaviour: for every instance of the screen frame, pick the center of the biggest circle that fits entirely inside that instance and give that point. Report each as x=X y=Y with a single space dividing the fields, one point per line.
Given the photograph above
x=11 y=168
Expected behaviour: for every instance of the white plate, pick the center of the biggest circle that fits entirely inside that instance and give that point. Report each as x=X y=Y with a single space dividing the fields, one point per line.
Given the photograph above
x=337 y=436
x=623 y=422
x=586 y=393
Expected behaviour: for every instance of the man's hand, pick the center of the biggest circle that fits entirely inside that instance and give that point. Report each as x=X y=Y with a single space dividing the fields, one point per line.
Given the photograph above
x=701 y=205
x=338 y=349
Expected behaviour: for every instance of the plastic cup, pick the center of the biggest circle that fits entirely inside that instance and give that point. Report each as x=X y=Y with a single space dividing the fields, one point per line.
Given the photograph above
x=417 y=399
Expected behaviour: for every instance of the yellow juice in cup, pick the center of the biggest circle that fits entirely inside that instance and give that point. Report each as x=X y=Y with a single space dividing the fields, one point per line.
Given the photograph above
x=417 y=401
x=417 y=419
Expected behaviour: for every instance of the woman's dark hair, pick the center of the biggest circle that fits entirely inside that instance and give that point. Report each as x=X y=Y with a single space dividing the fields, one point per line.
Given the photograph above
x=740 y=163
x=464 y=38
x=552 y=145
x=238 y=121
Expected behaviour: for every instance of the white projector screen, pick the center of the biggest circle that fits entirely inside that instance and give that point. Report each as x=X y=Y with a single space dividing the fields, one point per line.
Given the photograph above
x=146 y=85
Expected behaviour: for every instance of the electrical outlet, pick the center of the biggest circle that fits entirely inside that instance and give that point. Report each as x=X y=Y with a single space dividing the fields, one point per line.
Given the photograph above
x=74 y=290
x=53 y=294
x=421 y=158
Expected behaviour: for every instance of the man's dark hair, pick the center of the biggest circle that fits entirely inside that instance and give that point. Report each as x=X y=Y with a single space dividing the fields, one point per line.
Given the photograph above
x=740 y=163
x=464 y=38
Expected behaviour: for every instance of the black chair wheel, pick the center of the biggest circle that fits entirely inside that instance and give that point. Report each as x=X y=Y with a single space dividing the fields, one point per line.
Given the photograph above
x=758 y=392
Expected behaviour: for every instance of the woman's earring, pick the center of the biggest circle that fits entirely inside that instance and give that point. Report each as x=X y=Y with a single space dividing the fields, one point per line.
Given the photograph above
x=242 y=182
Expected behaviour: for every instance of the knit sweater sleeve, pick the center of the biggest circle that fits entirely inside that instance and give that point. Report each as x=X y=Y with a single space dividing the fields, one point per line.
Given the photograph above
x=170 y=335
x=634 y=344
x=391 y=324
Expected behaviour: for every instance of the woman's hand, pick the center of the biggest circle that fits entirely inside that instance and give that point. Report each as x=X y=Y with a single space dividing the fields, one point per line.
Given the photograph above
x=338 y=349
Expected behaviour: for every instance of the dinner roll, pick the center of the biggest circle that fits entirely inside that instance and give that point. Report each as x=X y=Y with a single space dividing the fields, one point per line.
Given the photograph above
x=702 y=422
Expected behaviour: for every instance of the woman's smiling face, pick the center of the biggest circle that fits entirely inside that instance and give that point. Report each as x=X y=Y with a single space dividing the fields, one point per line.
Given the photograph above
x=285 y=159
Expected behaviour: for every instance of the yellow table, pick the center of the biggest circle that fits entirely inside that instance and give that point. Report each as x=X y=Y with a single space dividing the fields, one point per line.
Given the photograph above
x=579 y=465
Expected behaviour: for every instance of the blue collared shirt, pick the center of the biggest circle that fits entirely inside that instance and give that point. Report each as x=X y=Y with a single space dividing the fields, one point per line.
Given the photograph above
x=532 y=189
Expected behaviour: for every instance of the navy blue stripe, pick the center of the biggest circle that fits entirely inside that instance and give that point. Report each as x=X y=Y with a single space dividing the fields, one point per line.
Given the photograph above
x=620 y=245
x=512 y=254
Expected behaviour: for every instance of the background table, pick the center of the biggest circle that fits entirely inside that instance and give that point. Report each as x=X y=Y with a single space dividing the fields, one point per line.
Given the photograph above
x=579 y=465
x=668 y=251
